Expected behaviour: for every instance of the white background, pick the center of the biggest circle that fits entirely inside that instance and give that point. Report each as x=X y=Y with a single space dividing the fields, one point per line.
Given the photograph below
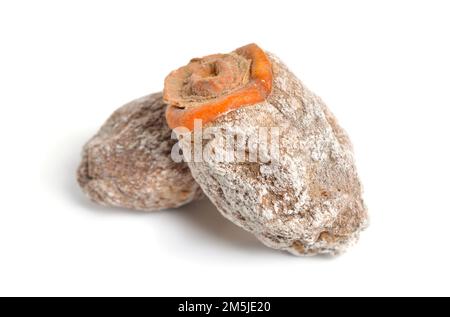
x=383 y=67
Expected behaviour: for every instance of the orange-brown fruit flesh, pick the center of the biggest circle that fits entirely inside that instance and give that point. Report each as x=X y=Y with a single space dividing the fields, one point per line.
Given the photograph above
x=203 y=90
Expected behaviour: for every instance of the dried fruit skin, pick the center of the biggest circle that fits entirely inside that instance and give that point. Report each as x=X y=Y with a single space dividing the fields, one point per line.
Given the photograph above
x=308 y=200
x=128 y=164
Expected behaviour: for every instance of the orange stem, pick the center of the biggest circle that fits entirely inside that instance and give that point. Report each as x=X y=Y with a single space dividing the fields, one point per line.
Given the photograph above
x=255 y=90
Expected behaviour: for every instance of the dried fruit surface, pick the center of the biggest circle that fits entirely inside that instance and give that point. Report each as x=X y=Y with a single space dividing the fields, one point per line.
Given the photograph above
x=128 y=164
x=309 y=199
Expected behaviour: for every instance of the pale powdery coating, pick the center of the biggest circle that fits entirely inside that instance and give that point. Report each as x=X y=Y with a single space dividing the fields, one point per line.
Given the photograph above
x=128 y=163
x=308 y=201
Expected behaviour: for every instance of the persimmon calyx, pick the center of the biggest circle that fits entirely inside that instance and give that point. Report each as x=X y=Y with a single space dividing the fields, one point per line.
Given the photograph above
x=210 y=86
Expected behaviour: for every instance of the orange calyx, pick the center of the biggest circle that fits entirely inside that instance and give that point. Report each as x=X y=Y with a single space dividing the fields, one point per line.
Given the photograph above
x=211 y=86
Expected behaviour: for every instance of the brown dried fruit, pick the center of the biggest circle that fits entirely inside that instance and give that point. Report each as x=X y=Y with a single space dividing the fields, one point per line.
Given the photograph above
x=308 y=199
x=128 y=164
